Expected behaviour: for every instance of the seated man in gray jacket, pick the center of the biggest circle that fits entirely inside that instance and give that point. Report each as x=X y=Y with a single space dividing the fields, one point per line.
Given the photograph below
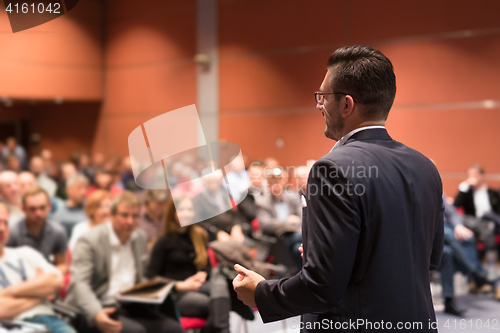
x=109 y=259
x=279 y=212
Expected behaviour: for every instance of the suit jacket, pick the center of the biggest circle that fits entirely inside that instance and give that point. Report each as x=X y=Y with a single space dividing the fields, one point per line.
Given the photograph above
x=266 y=212
x=372 y=231
x=91 y=268
x=466 y=201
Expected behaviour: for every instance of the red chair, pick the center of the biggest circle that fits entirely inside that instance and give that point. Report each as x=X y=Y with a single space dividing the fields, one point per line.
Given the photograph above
x=66 y=278
x=195 y=324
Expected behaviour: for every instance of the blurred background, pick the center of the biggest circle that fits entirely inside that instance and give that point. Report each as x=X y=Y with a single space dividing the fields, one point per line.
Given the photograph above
x=84 y=81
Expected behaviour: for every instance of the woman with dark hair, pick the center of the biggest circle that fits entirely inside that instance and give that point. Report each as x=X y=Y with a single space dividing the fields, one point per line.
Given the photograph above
x=180 y=254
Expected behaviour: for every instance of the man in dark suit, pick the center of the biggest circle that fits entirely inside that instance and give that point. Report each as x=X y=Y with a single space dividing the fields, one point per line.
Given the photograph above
x=372 y=219
x=474 y=196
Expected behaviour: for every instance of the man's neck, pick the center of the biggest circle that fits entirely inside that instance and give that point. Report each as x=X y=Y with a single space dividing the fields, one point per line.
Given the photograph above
x=71 y=203
x=152 y=217
x=1 y=252
x=348 y=129
x=34 y=228
x=123 y=238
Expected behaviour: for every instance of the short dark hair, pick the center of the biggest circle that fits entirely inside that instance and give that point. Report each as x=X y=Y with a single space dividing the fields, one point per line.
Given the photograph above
x=368 y=75
x=127 y=197
x=35 y=190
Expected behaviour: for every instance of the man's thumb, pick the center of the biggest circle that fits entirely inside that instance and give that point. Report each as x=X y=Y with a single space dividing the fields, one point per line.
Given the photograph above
x=240 y=269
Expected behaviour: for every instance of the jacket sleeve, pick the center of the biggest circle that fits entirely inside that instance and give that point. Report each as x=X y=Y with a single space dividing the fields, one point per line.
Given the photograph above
x=82 y=269
x=460 y=199
x=437 y=245
x=333 y=225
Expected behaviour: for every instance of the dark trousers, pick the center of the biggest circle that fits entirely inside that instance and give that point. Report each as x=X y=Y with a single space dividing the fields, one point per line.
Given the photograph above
x=212 y=301
x=457 y=256
x=140 y=318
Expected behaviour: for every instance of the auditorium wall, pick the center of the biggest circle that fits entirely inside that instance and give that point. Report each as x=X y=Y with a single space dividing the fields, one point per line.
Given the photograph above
x=137 y=62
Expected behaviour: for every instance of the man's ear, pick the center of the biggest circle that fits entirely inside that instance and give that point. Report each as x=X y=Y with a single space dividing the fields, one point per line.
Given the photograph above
x=348 y=105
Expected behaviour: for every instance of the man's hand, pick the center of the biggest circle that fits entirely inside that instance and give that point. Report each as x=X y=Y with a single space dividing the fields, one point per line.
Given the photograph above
x=245 y=283
x=106 y=324
x=301 y=250
x=462 y=233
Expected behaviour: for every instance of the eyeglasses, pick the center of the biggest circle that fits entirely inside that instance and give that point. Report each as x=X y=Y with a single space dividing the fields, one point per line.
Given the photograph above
x=127 y=215
x=320 y=96
x=33 y=209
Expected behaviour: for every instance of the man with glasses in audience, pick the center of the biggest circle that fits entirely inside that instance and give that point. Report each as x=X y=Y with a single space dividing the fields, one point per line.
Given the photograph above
x=36 y=231
x=27 y=282
x=108 y=259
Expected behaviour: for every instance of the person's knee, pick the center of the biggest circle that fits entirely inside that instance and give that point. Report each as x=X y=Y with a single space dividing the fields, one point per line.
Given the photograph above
x=131 y=326
x=170 y=325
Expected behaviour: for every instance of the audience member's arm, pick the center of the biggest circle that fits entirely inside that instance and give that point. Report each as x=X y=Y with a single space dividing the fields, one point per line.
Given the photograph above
x=11 y=307
x=45 y=284
x=82 y=269
x=61 y=262
x=459 y=199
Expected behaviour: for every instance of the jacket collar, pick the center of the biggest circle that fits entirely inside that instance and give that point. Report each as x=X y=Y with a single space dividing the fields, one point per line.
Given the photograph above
x=370 y=134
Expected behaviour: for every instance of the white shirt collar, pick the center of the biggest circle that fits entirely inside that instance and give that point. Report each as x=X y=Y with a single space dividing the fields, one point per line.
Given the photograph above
x=351 y=133
x=113 y=238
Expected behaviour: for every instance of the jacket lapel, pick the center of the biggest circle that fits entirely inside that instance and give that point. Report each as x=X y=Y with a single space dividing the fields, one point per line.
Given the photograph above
x=137 y=260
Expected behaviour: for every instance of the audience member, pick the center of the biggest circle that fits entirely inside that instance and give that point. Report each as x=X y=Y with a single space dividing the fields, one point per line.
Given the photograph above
x=10 y=192
x=97 y=208
x=152 y=214
x=13 y=149
x=108 y=259
x=26 y=181
x=474 y=196
x=238 y=178
x=187 y=183
x=12 y=163
x=27 y=282
x=180 y=255
x=104 y=181
x=301 y=175
x=67 y=170
x=279 y=212
x=213 y=208
x=481 y=206
x=127 y=176
x=85 y=168
x=459 y=254
x=50 y=168
x=36 y=231
x=71 y=211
